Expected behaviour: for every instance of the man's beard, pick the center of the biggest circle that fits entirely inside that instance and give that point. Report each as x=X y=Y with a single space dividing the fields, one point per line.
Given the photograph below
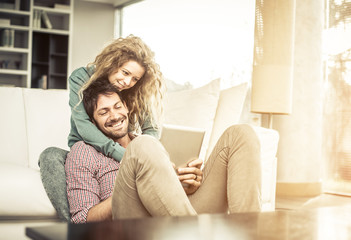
x=115 y=135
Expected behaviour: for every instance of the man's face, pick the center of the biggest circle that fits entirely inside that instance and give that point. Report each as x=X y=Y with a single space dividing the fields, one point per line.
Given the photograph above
x=111 y=116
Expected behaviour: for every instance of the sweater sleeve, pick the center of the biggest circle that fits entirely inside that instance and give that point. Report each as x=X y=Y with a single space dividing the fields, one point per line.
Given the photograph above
x=81 y=124
x=149 y=129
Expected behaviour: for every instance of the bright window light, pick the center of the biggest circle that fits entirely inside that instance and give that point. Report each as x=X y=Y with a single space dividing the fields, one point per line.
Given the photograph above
x=196 y=41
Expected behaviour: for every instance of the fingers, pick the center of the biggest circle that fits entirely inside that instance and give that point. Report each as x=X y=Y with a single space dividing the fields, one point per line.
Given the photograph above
x=190 y=178
x=195 y=163
x=190 y=175
x=192 y=183
x=190 y=170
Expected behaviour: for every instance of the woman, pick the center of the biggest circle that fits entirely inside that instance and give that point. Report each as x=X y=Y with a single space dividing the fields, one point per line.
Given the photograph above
x=129 y=64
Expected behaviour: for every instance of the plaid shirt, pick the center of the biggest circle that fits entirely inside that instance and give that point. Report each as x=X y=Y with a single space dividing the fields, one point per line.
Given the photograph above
x=90 y=178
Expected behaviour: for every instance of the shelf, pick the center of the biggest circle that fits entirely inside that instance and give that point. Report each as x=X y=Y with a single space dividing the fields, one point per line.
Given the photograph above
x=14 y=12
x=51 y=31
x=18 y=20
x=15 y=27
x=52 y=3
x=59 y=55
x=53 y=10
x=14 y=50
x=62 y=75
x=38 y=63
x=13 y=72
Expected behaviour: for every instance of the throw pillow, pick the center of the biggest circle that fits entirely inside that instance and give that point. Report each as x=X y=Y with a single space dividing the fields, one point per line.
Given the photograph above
x=228 y=112
x=194 y=108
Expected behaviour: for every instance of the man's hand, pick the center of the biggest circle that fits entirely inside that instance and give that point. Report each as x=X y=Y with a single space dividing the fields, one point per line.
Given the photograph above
x=190 y=175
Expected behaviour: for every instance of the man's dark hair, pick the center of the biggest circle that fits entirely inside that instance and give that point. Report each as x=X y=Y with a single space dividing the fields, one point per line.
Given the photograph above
x=91 y=94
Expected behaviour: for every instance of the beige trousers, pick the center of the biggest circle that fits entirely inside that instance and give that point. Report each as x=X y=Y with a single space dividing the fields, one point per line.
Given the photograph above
x=147 y=185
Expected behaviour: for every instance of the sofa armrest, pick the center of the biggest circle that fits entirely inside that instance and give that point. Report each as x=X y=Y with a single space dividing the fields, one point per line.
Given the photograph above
x=269 y=139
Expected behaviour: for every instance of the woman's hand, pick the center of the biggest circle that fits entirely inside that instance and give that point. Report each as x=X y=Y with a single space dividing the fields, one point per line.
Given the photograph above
x=190 y=175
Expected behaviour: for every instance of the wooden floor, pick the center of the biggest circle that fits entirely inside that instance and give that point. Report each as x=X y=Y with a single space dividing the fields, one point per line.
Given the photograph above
x=324 y=200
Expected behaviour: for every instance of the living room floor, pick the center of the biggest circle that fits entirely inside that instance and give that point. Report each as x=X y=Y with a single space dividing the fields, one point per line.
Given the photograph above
x=323 y=200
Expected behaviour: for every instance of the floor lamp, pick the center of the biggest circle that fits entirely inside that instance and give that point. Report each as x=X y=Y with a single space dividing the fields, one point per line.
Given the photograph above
x=272 y=76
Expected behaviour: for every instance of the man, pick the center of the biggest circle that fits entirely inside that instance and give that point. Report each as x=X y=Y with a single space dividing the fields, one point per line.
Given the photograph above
x=146 y=183
x=89 y=174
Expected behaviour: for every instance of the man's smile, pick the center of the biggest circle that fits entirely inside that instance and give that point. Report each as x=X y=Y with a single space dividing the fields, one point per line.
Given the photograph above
x=116 y=123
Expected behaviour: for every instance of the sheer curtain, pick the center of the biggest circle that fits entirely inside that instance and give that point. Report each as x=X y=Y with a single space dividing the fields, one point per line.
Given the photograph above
x=337 y=107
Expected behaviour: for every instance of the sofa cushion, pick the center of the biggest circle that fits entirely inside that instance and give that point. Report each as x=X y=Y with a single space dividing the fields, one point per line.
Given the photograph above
x=194 y=108
x=13 y=131
x=48 y=121
x=22 y=193
x=228 y=112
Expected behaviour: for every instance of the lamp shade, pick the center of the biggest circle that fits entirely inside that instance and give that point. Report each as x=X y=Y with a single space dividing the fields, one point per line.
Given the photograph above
x=272 y=77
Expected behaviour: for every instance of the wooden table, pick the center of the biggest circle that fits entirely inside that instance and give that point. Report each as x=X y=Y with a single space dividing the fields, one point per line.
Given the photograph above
x=323 y=223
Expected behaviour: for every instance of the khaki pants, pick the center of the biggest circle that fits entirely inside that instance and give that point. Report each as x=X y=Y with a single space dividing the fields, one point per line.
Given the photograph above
x=147 y=185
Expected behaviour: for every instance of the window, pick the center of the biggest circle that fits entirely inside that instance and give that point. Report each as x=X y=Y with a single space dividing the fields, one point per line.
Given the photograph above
x=196 y=41
x=337 y=107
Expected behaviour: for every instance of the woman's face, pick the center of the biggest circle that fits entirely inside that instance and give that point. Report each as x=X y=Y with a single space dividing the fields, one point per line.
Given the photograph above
x=127 y=75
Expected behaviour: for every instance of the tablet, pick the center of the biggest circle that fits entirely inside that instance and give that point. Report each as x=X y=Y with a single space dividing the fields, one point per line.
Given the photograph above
x=182 y=143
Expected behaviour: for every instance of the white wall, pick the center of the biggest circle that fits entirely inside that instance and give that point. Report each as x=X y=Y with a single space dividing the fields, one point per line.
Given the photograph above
x=93 y=27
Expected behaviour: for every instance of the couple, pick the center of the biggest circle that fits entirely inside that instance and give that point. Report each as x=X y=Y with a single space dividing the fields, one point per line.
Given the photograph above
x=100 y=186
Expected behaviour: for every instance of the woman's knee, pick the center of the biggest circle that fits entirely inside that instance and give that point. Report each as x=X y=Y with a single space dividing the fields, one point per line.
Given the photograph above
x=52 y=155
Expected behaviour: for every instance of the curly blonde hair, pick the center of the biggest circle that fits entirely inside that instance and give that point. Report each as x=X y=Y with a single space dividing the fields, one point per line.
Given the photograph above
x=144 y=99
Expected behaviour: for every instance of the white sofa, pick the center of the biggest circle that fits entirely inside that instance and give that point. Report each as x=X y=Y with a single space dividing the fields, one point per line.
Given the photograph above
x=34 y=119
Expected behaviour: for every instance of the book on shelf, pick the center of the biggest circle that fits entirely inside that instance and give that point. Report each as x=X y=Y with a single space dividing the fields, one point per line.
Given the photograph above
x=17 y=4
x=6 y=5
x=34 y=18
x=37 y=18
x=4 y=22
x=7 y=37
x=46 y=20
x=43 y=82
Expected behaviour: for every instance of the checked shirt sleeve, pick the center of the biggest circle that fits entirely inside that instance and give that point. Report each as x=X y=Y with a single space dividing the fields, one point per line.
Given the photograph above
x=82 y=186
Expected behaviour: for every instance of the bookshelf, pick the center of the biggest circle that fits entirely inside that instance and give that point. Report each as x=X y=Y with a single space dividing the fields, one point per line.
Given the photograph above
x=35 y=43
